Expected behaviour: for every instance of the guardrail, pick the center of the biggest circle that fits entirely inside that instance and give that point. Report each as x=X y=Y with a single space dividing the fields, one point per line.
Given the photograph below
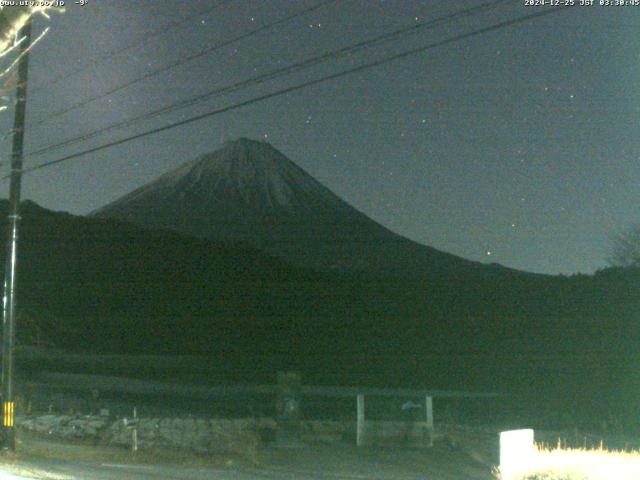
x=289 y=393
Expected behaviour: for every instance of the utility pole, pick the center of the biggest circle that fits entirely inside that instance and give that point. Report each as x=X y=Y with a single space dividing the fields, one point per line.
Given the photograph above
x=9 y=300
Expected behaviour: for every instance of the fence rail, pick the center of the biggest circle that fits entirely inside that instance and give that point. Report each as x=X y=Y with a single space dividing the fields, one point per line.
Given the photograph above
x=289 y=393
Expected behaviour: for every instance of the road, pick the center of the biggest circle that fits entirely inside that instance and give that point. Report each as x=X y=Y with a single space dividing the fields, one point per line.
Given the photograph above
x=317 y=463
x=69 y=470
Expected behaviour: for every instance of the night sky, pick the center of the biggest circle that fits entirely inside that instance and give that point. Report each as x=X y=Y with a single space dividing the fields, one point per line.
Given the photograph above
x=519 y=146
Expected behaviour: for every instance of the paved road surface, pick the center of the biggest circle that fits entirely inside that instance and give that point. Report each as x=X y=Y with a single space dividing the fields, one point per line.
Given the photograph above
x=317 y=463
x=67 y=470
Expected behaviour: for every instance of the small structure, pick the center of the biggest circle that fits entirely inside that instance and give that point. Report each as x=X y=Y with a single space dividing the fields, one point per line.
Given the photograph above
x=360 y=393
x=289 y=394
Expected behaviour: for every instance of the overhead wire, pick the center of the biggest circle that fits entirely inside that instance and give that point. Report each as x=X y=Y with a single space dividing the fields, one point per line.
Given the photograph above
x=300 y=86
x=180 y=62
x=273 y=74
x=122 y=50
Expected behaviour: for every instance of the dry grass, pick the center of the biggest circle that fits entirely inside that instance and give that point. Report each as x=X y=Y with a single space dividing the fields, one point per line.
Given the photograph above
x=577 y=464
x=30 y=446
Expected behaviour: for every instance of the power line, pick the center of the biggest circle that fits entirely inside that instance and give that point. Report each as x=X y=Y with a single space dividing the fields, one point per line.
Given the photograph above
x=300 y=86
x=142 y=41
x=181 y=62
x=271 y=75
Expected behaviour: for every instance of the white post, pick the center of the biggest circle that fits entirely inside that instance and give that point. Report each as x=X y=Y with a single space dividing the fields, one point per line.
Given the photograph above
x=360 y=421
x=134 y=431
x=517 y=452
x=429 y=412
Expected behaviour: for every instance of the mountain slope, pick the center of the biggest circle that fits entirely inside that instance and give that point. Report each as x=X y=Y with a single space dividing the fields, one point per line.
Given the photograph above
x=248 y=192
x=108 y=285
x=96 y=285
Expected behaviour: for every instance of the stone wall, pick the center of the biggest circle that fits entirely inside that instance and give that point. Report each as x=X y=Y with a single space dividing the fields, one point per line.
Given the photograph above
x=206 y=436
x=214 y=436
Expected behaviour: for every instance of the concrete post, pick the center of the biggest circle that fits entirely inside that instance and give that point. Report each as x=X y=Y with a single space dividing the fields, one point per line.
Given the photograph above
x=429 y=412
x=134 y=431
x=288 y=408
x=360 y=426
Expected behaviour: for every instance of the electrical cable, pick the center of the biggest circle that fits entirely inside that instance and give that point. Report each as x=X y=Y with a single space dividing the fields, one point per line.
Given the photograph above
x=300 y=86
x=341 y=52
x=140 y=42
x=180 y=62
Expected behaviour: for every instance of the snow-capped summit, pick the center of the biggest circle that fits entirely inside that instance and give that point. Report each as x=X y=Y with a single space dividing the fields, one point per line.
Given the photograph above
x=249 y=192
x=258 y=174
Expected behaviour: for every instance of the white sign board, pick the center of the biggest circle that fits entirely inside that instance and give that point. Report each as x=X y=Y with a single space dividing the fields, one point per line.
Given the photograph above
x=516 y=452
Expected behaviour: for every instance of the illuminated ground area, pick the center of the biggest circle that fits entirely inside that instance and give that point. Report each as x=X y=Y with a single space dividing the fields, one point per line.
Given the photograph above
x=460 y=453
x=47 y=459
x=579 y=464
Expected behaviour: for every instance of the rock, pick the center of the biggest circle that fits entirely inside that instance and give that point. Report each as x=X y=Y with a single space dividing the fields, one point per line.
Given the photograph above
x=187 y=434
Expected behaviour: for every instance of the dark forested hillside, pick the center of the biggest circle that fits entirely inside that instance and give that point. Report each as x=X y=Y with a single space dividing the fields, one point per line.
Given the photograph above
x=95 y=285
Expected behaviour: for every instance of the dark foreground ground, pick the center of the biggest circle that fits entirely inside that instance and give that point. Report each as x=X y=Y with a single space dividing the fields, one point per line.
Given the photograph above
x=45 y=383
x=44 y=459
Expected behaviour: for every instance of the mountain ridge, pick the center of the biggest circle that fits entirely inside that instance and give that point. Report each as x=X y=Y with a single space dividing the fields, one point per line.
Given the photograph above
x=248 y=192
x=110 y=287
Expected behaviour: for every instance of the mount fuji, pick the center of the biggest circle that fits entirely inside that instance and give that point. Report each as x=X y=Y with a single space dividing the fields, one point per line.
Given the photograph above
x=250 y=193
